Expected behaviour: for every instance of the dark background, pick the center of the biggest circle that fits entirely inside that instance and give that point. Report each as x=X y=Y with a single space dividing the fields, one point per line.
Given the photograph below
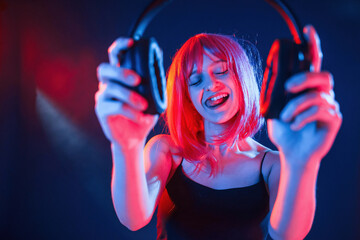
x=55 y=166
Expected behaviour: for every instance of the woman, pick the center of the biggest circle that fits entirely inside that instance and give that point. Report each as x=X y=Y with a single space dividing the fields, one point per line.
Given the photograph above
x=210 y=179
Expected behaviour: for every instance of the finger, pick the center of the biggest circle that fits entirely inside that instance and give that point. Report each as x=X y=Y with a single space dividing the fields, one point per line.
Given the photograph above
x=118 y=45
x=105 y=108
x=337 y=107
x=116 y=92
x=100 y=91
x=306 y=101
x=134 y=115
x=314 y=45
x=322 y=81
x=316 y=114
x=126 y=76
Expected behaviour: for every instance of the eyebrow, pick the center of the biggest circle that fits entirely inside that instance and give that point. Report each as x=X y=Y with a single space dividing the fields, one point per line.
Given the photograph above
x=217 y=61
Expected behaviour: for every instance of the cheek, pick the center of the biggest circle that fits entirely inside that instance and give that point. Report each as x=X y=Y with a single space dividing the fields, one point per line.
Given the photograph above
x=196 y=97
x=237 y=96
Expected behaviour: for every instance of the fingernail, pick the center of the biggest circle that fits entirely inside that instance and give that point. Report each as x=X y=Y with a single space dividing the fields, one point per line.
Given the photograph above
x=284 y=117
x=137 y=80
x=306 y=29
x=141 y=102
x=132 y=79
x=144 y=104
x=294 y=81
x=290 y=85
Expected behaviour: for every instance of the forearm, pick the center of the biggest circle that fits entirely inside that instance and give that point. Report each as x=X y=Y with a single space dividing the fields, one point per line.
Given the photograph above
x=129 y=186
x=294 y=208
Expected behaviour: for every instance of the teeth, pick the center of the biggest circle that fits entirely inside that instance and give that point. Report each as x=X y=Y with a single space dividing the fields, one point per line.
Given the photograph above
x=218 y=97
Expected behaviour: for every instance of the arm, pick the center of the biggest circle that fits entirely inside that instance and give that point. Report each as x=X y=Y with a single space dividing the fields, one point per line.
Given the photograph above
x=292 y=197
x=138 y=180
x=303 y=135
x=139 y=174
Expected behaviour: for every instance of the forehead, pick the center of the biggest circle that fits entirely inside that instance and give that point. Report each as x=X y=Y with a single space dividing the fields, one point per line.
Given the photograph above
x=208 y=59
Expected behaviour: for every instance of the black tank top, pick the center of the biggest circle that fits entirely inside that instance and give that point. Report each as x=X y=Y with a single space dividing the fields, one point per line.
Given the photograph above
x=188 y=210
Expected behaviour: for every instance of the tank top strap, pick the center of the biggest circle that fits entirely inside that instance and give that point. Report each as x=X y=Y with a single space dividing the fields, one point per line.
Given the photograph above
x=261 y=164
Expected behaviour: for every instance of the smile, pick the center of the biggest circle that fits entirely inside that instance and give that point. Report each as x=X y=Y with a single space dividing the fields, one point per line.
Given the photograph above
x=217 y=100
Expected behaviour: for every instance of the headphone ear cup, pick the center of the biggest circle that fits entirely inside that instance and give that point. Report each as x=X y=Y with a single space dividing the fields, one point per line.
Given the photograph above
x=157 y=78
x=145 y=58
x=285 y=59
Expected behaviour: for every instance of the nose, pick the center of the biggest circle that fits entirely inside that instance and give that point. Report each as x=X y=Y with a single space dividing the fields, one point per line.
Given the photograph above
x=212 y=84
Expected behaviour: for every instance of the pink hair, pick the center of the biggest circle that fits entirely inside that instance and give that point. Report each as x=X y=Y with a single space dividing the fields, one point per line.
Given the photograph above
x=185 y=123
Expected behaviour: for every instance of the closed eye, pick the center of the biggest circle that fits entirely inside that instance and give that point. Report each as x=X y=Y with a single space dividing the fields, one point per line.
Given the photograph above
x=195 y=81
x=222 y=73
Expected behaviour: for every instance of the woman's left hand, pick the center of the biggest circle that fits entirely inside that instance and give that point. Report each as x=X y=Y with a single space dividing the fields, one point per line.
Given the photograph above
x=309 y=123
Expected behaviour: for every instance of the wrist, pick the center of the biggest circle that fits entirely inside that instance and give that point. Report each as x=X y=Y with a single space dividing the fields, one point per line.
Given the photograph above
x=299 y=163
x=125 y=157
x=129 y=144
x=127 y=150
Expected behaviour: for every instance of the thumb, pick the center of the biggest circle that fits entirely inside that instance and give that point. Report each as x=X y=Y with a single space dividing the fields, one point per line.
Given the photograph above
x=314 y=46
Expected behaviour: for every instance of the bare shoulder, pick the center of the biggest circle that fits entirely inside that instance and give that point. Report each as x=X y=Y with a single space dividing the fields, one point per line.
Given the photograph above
x=161 y=143
x=158 y=155
x=271 y=165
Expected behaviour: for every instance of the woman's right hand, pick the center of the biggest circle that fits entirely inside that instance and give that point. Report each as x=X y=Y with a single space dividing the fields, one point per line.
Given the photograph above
x=119 y=109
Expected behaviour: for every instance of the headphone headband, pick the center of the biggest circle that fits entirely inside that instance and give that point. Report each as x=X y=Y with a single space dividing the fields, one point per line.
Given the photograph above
x=156 y=6
x=137 y=31
x=291 y=20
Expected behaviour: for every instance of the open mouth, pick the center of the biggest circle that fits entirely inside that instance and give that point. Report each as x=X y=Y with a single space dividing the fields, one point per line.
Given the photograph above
x=217 y=100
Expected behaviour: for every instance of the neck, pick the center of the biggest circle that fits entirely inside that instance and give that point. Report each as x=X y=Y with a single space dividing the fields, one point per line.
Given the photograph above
x=212 y=130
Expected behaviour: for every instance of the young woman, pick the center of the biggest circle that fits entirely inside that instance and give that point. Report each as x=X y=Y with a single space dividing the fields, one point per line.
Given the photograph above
x=209 y=178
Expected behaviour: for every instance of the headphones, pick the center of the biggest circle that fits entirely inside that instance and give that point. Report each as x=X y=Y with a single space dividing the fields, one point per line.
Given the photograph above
x=286 y=58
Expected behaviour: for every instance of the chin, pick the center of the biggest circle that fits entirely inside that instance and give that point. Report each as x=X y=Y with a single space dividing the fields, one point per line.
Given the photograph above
x=223 y=119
